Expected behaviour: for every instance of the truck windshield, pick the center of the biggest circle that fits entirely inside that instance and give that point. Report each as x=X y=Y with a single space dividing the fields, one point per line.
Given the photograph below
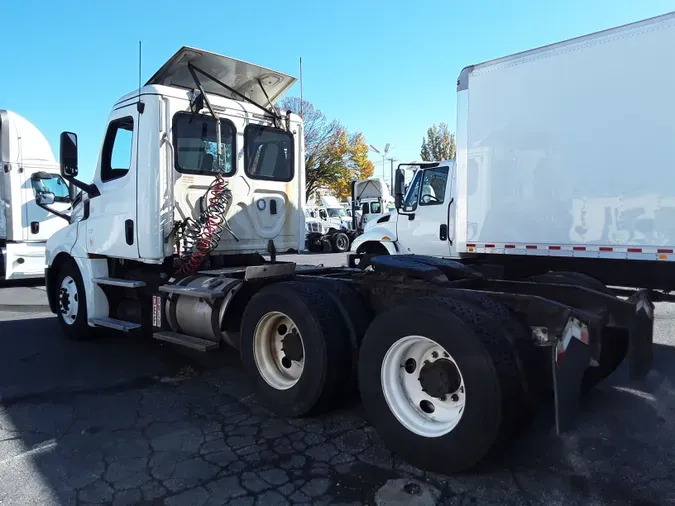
x=336 y=213
x=51 y=183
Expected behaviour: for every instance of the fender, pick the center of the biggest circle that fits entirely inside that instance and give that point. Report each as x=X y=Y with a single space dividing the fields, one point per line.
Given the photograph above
x=63 y=244
x=380 y=234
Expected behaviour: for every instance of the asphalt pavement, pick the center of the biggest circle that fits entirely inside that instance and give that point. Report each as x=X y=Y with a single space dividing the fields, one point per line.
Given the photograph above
x=134 y=421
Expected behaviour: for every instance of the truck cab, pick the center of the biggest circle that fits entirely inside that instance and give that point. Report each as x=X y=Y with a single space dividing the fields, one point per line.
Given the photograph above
x=29 y=171
x=424 y=222
x=161 y=192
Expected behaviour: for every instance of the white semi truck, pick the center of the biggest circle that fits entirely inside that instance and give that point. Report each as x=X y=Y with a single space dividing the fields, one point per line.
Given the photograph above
x=29 y=178
x=545 y=176
x=200 y=175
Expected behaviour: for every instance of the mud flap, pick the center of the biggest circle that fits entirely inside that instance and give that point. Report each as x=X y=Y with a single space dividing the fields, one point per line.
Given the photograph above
x=641 y=336
x=570 y=358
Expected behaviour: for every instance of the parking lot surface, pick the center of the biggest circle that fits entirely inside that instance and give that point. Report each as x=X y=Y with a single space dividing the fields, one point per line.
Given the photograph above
x=134 y=421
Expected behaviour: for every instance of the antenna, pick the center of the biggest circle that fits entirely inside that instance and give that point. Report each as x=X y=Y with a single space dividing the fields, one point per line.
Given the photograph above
x=140 y=56
x=140 y=107
x=301 y=88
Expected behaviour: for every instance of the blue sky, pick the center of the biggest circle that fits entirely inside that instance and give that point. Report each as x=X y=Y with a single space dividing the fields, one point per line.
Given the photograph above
x=387 y=69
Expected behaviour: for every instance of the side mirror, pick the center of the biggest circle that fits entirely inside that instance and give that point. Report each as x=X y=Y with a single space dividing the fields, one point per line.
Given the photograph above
x=45 y=198
x=68 y=155
x=398 y=188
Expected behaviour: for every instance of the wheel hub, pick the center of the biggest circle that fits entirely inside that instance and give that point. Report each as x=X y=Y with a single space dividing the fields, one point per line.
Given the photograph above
x=439 y=378
x=291 y=345
x=64 y=300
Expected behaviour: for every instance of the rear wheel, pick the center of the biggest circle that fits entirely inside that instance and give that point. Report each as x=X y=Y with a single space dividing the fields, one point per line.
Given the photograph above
x=294 y=346
x=438 y=384
x=72 y=303
x=613 y=341
x=340 y=242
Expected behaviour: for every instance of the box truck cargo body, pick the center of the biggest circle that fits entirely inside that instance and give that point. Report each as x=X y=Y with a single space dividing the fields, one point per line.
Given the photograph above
x=565 y=158
x=569 y=149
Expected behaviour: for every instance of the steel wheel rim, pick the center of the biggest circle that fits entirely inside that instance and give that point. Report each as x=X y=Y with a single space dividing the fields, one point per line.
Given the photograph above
x=342 y=243
x=278 y=369
x=69 y=302
x=403 y=392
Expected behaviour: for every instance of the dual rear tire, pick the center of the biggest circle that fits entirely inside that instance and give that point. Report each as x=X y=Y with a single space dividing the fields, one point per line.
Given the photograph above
x=441 y=379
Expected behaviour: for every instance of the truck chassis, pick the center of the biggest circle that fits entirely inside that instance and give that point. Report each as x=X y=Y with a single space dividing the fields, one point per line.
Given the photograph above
x=447 y=360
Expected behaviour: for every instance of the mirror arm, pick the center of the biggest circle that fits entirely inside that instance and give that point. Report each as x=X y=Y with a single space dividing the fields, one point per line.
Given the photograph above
x=54 y=211
x=91 y=189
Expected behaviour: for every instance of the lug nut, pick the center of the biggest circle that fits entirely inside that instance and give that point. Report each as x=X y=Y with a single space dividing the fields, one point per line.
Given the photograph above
x=434 y=354
x=455 y=397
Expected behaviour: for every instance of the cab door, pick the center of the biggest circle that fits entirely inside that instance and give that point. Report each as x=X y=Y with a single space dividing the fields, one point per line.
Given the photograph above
x=111 y=226
x=423 y=225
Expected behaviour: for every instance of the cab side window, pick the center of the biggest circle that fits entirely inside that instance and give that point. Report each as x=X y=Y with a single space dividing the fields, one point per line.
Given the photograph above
x=433 y=186
x=117 y=149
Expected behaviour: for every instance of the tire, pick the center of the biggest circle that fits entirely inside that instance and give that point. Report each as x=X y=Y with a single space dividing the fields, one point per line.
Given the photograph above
x=70 y=292
x=613 y=341
x=484 y=358
x=340 y=242
x=314 y=243
x=355 y=315
x=533 y=361
x=325 y=349
x=368 y=251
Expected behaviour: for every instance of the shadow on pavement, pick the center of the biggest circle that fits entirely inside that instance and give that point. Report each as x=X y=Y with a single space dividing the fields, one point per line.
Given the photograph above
x=119 y=420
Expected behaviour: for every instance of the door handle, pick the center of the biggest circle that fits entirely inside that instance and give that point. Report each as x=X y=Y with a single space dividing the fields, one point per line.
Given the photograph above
x=129 y=231
x=449 y=221
x=443 y=232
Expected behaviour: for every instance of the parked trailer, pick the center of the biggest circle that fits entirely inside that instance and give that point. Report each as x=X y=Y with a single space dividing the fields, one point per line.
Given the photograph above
x=29 y=179
x=447 y=359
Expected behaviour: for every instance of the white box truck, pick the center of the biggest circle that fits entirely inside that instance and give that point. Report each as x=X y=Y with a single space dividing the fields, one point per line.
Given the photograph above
x=565 y=159
x=29 y=178
x=169 y=236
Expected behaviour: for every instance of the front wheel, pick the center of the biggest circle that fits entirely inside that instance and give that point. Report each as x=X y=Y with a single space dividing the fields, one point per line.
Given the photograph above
x=72 y=303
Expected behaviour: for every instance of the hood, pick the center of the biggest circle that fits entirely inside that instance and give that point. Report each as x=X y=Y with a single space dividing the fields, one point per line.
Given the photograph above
x=239 y=75
x=381 y=219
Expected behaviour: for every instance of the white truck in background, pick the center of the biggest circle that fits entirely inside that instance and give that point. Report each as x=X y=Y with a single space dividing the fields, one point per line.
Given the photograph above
x=565 y=159
x=371 y=199
x=169 y=239
x=30 y=177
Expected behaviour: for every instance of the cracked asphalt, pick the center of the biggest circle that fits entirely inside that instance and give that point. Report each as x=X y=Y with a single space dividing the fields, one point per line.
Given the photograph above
x=123 y=421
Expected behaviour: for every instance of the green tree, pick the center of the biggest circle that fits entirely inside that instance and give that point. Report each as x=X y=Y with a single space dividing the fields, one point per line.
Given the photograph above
x=439 y=144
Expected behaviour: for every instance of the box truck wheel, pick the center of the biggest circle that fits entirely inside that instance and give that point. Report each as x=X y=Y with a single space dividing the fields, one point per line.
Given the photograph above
x=72 y=302
x=294 y=346
x=613 y=341
x=438 y=383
